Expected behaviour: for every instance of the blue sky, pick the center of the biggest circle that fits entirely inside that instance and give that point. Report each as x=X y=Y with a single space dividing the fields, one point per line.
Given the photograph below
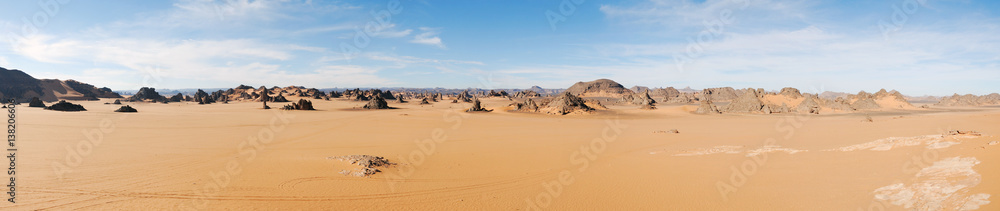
x=918 y=47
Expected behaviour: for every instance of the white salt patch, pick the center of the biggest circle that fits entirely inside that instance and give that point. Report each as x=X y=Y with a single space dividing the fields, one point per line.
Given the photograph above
x=994 y=142
x=773 y=148
x=941 y=145
x=942 y=186
x=889 y=143
x=885 y=144
x=737 y=150
x=713 y=150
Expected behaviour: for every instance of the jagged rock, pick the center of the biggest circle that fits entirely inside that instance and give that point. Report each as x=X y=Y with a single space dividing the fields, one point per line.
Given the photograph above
x=840 y=104
x=644 y=101
x=865 y=104
x=424 y=101
x=707 y=107
x=203 y=98
x=377 y=102
x=476 y=107
x=566 y=103
x=62 y=105
x=595 y=104
x=970 y=100
x=126 y=108
x=464 y=97
x=528 y=106
x=36 y=103
x=303 y=104
x=146 y=93
x=683 y=98
x=526 y=94
x=721 y=94
x=749 y=102
x=790 y=92
x=809 y=106
x=279 y=99
x=494 y=93
x=667 y=93
x=117 y=102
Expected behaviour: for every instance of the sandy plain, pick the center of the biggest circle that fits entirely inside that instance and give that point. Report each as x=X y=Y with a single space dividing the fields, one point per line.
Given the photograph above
x=184 y=156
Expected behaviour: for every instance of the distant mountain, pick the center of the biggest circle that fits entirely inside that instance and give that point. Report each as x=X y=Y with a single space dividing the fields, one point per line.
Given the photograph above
x=688 y=90
x=20 y=86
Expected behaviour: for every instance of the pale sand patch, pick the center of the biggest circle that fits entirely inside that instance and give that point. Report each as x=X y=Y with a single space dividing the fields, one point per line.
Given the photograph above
x=942 y=186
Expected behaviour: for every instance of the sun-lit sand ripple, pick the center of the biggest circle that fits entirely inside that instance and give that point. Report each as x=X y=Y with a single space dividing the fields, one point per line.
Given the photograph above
x=942 y=186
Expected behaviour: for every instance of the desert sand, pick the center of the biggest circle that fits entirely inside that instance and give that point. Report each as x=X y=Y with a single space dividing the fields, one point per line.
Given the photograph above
x=237 y=156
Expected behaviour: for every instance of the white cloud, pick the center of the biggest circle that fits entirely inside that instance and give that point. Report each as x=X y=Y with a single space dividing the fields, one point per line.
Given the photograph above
x=4 y=62
x=428 y=36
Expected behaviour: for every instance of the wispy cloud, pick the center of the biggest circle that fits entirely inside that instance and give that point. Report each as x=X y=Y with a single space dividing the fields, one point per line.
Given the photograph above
x=428 y=36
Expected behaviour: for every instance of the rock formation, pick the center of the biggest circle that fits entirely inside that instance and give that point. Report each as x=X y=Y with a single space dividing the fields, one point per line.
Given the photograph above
x=810 y=105
x=126 y=108
x=721 y=94
x=303 y=104
x=36 y=103
x=790 y=92
x=146 y=94
x=598 y=88
x=749 y=102
x=566 y=103
x=62 y=105
x=526 y=94
x=527 y=106
x=279 y=99
x=970 y=100
x=476 y=107
x=377 y=102
x=707 y=107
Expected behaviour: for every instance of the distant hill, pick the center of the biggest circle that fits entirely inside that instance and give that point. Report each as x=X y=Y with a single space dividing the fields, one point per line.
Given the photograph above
x=599 y=88
x=20 y=86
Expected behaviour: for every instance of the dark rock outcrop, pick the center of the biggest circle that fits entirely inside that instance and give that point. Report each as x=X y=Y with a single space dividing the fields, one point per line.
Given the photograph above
x=303 y=104
x=65 y=106
x=476 y=107
x=126 y=108
x=147 y=93
x=36 y=103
